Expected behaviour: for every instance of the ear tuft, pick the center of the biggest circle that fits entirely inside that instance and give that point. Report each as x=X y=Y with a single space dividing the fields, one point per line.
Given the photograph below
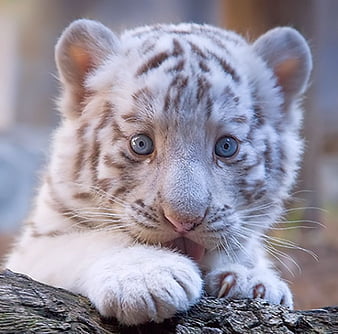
x=82 y=48
x=288 y=55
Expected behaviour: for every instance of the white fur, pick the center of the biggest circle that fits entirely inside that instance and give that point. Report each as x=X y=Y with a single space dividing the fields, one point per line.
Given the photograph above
x=115 y=260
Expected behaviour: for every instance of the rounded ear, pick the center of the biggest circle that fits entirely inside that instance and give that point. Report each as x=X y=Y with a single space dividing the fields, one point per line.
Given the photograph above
x=82 y=48
x=288 y=55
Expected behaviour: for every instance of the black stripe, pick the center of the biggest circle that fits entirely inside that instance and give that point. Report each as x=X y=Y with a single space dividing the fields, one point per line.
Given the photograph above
x=177 y=48
x=226 y=67
x=154 y=62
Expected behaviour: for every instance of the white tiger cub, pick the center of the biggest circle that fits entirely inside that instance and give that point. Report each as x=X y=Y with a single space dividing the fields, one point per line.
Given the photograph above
x=177 y=148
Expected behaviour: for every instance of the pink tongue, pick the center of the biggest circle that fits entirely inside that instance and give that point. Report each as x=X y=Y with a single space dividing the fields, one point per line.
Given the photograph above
x=187 y=247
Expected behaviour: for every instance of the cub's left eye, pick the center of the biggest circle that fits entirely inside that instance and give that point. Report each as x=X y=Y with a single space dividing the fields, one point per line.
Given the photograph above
x=142 y=144
x=226 y=147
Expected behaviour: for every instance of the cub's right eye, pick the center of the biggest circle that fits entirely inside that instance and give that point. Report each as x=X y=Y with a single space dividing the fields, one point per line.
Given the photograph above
x=142 y=144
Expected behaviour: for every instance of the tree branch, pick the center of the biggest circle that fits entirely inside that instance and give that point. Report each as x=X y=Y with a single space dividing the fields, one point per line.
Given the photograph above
x=27 y=306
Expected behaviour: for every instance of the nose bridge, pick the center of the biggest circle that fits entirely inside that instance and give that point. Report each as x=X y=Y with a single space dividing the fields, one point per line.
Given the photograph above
x=184 y=194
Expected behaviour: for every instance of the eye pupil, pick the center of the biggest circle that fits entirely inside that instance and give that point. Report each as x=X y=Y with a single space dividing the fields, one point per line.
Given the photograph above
x=142 y=144
x=226 y=147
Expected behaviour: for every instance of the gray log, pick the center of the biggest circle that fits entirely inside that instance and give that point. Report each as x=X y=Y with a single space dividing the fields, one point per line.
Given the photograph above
x=27 y=306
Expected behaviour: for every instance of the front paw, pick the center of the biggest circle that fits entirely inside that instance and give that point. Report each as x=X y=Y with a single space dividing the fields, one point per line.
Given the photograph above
x=236 y=281
x=147 y=289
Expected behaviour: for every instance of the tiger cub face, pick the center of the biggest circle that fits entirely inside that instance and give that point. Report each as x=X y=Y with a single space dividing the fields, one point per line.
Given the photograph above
x=177 y=131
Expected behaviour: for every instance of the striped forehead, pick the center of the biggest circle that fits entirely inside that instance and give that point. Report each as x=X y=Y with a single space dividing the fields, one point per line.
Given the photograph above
x=196 y=63
x=176 y=50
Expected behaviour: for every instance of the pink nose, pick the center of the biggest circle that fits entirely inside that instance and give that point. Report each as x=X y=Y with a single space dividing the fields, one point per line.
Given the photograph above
x=183 y=225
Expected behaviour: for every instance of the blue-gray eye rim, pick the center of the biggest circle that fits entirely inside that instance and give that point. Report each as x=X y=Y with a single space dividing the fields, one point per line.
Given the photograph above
x=141 y=144
x=226 y=147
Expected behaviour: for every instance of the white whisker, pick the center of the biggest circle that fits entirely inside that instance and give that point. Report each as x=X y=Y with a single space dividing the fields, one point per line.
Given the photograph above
x=272 y=252
x=303 y=208
x=288 y=244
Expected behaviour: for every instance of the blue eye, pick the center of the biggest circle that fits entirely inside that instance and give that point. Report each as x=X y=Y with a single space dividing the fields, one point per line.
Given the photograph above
x=226 y=147
x=142 y=144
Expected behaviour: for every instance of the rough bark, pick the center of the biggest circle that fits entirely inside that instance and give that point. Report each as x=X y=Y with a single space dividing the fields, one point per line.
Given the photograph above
x=27 y=306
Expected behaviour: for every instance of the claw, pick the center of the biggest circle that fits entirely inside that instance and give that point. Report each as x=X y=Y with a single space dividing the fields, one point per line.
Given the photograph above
x=228 y=282
x=259 y=291
x=282 y=301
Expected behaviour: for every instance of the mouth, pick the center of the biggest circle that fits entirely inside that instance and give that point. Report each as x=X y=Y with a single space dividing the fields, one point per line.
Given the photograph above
x=187 y=247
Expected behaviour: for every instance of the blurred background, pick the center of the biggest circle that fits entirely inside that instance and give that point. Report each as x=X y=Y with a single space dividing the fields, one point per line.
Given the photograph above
x=28 y=88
